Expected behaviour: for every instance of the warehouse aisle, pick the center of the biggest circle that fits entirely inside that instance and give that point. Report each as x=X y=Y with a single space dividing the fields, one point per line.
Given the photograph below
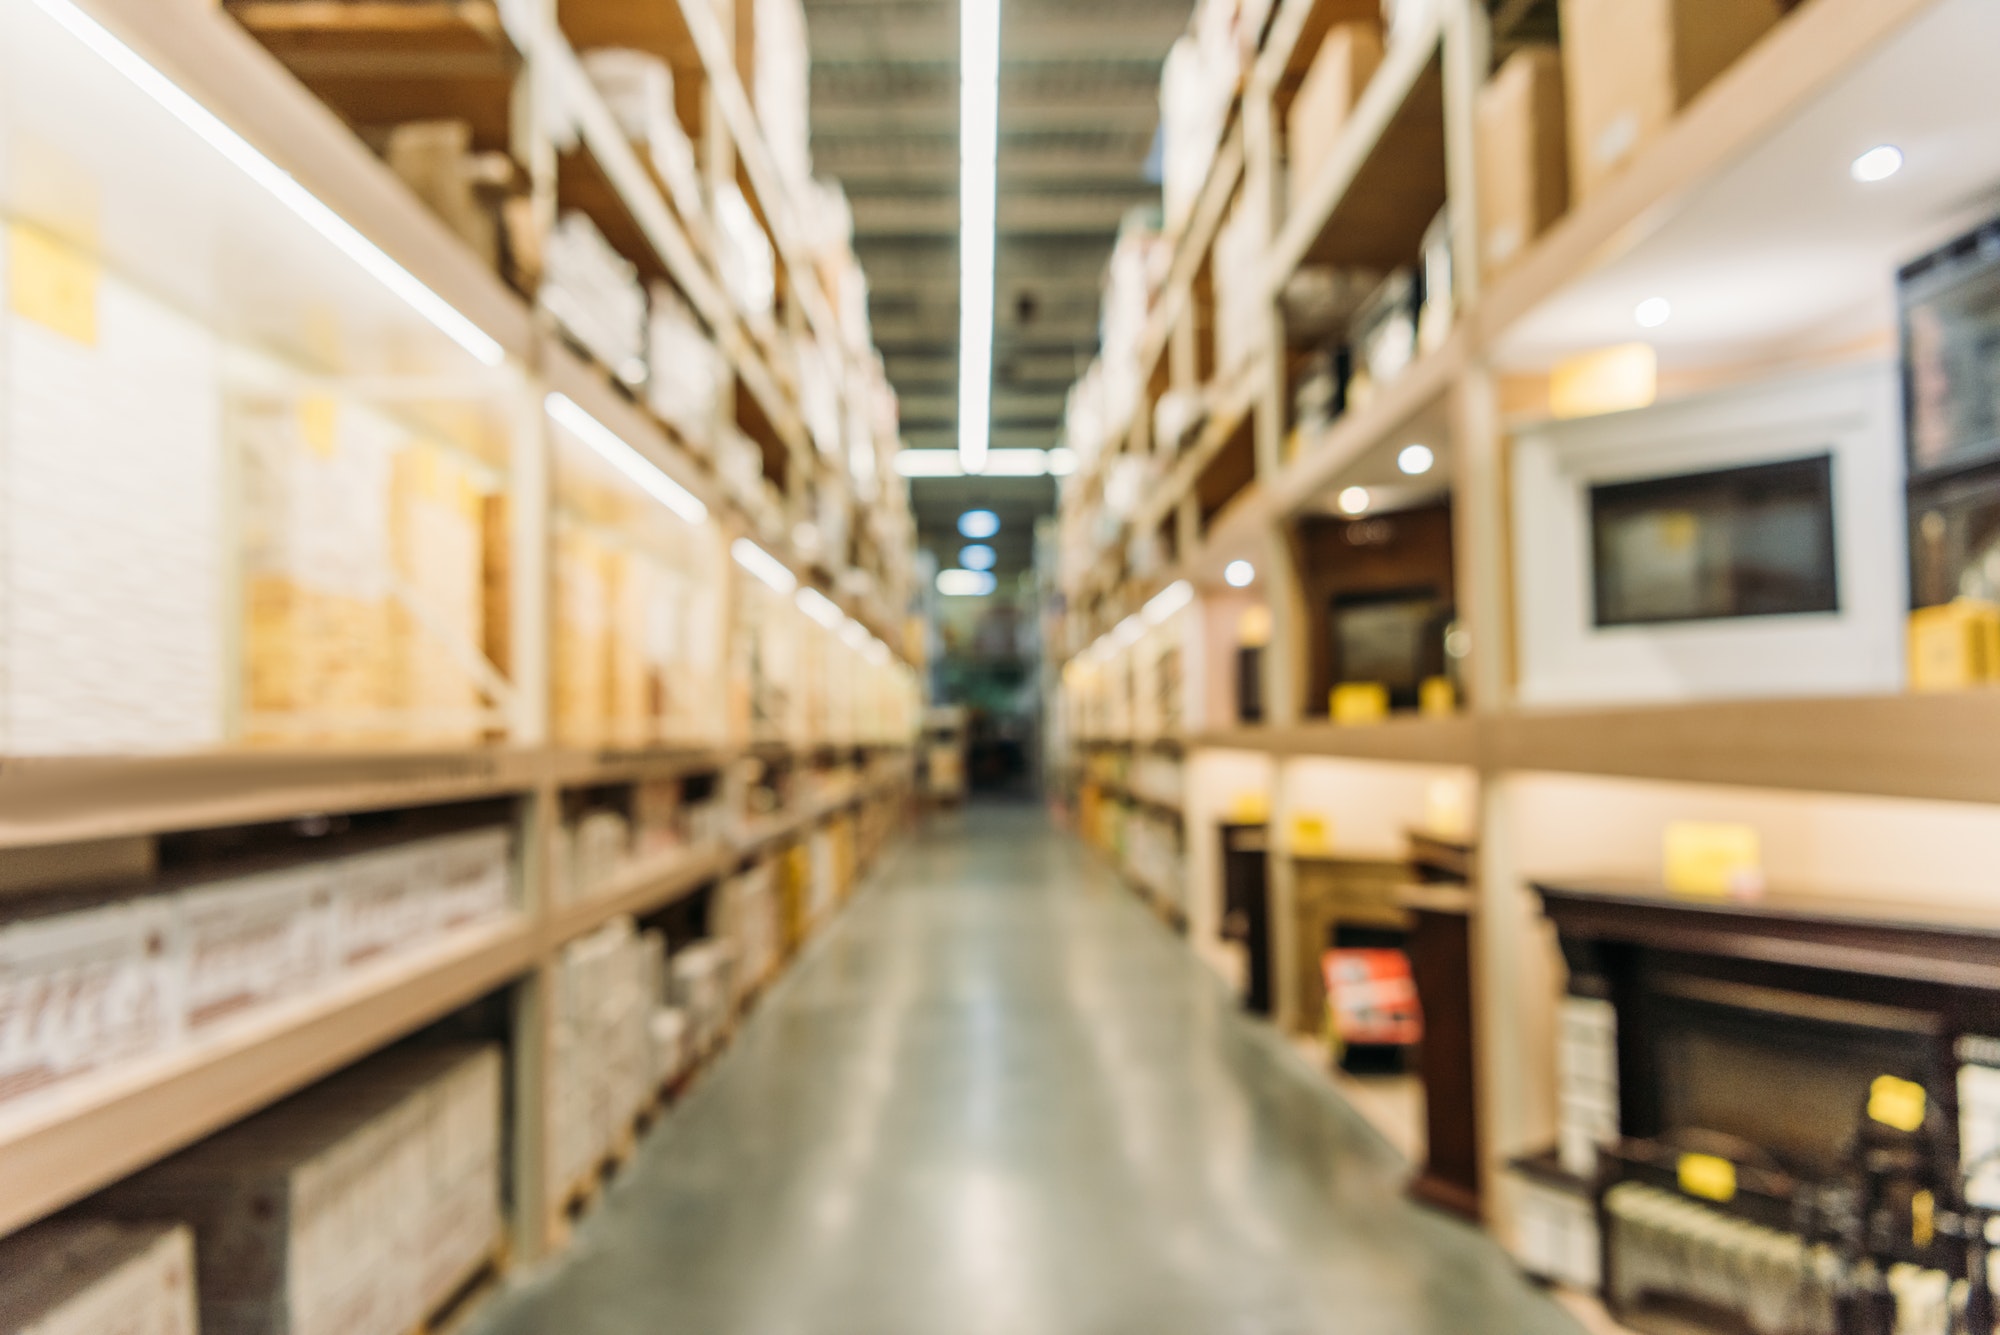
x=998 y=1097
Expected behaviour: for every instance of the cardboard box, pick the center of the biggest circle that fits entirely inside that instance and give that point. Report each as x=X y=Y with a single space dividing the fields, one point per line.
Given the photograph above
x=347 y=1210
x=1346 y=61
x=1629 y=66
x=1523 y=155
x=91 y=1277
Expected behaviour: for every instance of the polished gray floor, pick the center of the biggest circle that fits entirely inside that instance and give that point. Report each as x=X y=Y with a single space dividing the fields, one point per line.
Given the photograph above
x=997 y=1098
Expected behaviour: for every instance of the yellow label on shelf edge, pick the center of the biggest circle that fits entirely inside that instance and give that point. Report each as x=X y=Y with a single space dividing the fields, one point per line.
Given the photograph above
x=1707 y=1176
x=1897 y=1103
x=1311 y=833
x=1712 y=859
x=1355 y=702
x=52 y=283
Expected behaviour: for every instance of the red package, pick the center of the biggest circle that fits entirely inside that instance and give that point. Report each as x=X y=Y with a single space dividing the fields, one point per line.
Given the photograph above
x=1372 y=996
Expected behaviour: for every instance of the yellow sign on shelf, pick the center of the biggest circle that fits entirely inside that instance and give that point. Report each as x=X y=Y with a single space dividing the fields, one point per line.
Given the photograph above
x=1359 y=702
x=1249 y=809
x=1312 y=834
x=52 y=284
x=1713 y=860
x=1610 y=380
x=1707 y=1176
x=1437 y=698
x=1896 y=1102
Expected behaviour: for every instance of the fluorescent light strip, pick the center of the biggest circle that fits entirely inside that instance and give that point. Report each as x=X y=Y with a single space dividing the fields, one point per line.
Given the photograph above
x=978 y=155
x=1169 y=601
x=564 y=412
x=763 y=565
x=856 y=635
x=999 y=463
x=820 y=608
x=281 y=184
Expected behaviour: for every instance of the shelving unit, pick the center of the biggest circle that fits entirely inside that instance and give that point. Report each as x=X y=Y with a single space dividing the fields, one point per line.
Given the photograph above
x=209 y=167
x=1780 y=266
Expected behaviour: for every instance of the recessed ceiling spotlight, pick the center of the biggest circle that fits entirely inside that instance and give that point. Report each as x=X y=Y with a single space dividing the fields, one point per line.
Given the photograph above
x=977 y=557
x=979 y=525
x=1877 y=164
x=1353 y=501
x=1653 y=312
x=1416 y=459
x=1239 y=574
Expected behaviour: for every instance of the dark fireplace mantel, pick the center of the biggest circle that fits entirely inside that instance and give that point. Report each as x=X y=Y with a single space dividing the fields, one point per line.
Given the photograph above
x=1870 y=939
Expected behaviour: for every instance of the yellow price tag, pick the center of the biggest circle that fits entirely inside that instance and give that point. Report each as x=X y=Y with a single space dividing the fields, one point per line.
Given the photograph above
x=1712 y=860
x=1249 y=809
x=1437 y=698
x=1923 y=1219
x=1311 y=834
x=1897 y=1103
x=319 y=420
x=52 y=284
x=1709 y=1177
x=1359 y=702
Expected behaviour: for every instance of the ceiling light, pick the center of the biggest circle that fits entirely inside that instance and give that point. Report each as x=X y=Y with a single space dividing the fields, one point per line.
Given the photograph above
x=929 y=463
x=978 y=150
x=857 y=635
x=1416 y=459
x=820 y=608
x=1653 y=312
x=1061 y=461
x=1239 y=574
x=1169 y=601
x=281 y=184
x=1353 y=501
x=978 y=525
x=965 y=583
x=978 y=557
x=564 y=412
x=1877 y=164
x=763 y=565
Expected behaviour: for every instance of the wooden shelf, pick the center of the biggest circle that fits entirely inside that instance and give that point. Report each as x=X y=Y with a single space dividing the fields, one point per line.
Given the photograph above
x=1385 y=180
x=1917 y=746
x=60 y=800
x=385 y=62
x=1765 y=89
x=1928 y=747
x=1407 y=739
x=61 y=1148
x=1319 y=462
x=644 y=888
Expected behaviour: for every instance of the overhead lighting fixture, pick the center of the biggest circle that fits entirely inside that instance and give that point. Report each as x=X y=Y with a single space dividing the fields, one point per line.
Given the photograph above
x=763 y=565
x=978 y=557
x=857 y=635
x=999 y=463
x=1353 y=501
x=979 y=525
x=819 y=607
x=279 y=183
x=1877 y=164
x=1127 y=632
x=1168 y=601
x=978 y=153
x=875 y=651
x=1416 y=460
x=1653 y=312
x=620 y=454
x=1239 y=574
x=966 y=583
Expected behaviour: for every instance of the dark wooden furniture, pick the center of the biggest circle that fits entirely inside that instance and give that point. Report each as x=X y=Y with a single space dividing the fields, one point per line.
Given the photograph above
x=1756 y=1031
x=1346 y=563
x=1246 y=907
x=1440 y=908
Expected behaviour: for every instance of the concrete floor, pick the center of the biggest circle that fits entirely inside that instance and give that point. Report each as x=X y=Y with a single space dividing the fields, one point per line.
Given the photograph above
x=998 y=1097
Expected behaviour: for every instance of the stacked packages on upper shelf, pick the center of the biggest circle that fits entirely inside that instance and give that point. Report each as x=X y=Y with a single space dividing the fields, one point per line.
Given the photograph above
x=602 y=1069
x=639 y=90
x=594 y=292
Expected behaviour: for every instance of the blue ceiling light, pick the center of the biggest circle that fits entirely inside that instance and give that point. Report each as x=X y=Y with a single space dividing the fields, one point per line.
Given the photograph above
x=978 y=525
x=978 y=557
